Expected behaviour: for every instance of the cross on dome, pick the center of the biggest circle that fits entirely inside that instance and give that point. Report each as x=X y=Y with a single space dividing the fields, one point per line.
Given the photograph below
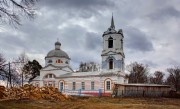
x=57 y=45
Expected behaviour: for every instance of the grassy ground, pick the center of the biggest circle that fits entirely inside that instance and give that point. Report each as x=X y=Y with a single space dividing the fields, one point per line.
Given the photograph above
x=94 y=103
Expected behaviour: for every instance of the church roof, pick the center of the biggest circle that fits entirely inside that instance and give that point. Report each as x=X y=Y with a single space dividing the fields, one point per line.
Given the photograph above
x=90 y=74
x=57 y=67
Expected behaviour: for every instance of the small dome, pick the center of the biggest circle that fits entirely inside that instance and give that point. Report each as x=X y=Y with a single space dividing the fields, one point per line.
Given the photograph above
x=57 y=43
x=57 y=53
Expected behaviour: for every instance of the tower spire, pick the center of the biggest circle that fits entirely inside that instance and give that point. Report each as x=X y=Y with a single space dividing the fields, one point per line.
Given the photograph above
x=112 y=22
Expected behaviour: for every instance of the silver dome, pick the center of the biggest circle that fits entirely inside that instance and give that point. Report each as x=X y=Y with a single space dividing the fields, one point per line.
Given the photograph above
x=57 y=53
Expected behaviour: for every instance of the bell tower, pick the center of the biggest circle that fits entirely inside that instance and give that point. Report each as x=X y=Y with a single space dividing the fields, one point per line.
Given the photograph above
x=112 y=53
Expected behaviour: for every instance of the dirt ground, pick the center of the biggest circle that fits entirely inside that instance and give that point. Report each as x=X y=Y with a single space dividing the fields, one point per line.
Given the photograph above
x=94 y=103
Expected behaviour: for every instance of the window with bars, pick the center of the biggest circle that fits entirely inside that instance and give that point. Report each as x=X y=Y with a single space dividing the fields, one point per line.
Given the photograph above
x=74 y=86
x=50 y=76
x=108 y=85
x=92 y=85
x=61 y=86
x=83 y=85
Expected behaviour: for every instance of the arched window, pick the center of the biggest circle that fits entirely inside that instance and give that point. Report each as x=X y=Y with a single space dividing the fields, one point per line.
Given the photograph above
x=61 y=86
x=110 y=63
x=108 y=84
x=110 y=42
x=50 y=61
x=59 y=61
x=49 y=76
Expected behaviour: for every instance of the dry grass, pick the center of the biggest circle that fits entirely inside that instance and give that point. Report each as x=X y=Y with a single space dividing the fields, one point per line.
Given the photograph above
x=94 y=103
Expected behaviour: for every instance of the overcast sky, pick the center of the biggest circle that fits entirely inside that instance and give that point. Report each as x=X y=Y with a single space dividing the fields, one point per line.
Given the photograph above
x=151 y=31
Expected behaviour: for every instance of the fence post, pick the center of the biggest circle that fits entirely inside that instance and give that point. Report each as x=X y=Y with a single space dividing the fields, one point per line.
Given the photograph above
x=143 y=93
x=100 y=93
x=79 y=92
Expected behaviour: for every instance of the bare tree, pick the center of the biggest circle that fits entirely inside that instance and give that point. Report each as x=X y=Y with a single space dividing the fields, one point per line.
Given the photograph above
x=157 y=78
x=21 y=61
x=11 y=11
x=14 y=76
x=88 y=67
x=2 y=66
x=138 y=73
x=174 y=77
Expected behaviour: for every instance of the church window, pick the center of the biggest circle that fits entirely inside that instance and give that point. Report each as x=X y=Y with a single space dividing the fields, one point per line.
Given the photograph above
x=108 y=85
x=110 y=42
x=74 y=86
x=110 y=63
x=59 y=61
x=61 y=86
x=49 y=61
x=67 y=62
x=50 y=75
x=83 y=85
x=92 y=85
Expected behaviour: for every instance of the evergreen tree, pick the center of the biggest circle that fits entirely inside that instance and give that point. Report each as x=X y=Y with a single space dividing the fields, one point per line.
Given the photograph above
x=32 y=69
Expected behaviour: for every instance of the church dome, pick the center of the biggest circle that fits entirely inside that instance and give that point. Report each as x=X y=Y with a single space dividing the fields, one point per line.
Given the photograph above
x=57 y=43
x=57 y=52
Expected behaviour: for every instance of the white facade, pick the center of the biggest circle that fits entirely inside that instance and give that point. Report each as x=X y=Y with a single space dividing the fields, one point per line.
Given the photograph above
x=58 y=73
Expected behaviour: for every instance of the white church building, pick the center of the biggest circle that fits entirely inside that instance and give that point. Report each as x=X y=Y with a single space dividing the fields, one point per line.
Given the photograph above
x=58 y=73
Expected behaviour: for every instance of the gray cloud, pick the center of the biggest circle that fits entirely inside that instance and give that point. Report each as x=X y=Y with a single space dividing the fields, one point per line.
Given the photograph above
x=93 y=41
x=173 y=62
x=165 y=13
x=136 y=40
x=150 y=63
x=78 y=3
x=78 y=8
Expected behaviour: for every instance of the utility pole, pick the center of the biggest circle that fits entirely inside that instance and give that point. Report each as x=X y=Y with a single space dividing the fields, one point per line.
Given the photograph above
x=22 y=78
x=10 y=75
